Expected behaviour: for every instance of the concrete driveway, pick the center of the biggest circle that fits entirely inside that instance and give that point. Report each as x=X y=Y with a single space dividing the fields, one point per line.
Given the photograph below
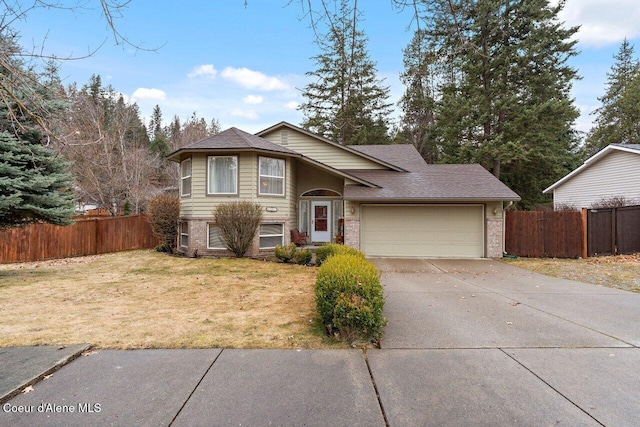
x=468 y=343
x=479 y=342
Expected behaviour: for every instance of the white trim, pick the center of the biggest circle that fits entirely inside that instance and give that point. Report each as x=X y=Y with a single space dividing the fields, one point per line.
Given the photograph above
x=321 y=236
x=209 y=192
x=181 y=234
x=209 y=225
x=283 y=177
x=183 y=177
x=260 y=236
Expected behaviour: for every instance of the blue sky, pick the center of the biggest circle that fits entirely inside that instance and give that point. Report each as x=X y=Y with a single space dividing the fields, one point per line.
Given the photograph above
x=246 y=66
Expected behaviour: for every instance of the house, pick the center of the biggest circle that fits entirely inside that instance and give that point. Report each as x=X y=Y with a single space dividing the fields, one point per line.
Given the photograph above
x=613 y=172
x=383 y=199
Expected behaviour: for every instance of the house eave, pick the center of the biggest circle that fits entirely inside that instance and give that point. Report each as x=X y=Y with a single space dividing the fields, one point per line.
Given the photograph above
x=177 y=156
x=431 y=199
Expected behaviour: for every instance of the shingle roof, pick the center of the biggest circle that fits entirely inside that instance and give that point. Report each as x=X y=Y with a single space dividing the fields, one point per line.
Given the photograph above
x=432 y=183
x=425 y=182
x=234 y=139
x=404 y=155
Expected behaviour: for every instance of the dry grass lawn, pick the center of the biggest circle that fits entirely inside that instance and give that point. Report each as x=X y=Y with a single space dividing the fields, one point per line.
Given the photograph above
x=144 y=299
x=621 y=271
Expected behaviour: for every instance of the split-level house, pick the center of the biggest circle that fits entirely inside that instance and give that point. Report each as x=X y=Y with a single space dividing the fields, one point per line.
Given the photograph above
x=382 y=199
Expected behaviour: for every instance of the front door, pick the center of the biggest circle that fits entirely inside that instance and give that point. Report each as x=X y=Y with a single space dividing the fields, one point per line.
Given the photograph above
x=320 y=221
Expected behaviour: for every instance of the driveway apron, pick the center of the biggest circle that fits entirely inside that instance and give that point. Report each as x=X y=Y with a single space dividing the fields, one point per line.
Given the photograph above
x=480 y=342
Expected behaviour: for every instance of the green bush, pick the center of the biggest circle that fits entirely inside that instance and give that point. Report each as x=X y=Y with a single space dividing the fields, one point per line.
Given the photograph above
x=286 y=253
x=303 y=256
x=350 y=298
x=325 y=251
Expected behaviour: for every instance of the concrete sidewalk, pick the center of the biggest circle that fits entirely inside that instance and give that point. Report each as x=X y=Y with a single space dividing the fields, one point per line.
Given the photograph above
x=468 y=343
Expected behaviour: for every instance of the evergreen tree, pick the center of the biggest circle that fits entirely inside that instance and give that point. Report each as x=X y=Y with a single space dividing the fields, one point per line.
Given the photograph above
x=418 y=102
x=34 y=184
x=346 y=102
x=504 y=89
x=618 y=118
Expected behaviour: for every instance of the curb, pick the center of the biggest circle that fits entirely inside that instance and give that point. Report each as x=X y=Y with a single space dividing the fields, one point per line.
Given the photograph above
x=59 y=364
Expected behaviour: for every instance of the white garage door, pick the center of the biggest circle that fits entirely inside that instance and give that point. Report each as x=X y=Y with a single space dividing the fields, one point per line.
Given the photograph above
x=424 y=231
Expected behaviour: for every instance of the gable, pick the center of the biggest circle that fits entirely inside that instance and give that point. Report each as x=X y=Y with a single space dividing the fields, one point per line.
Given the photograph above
x=316 y=148
x=616 y=174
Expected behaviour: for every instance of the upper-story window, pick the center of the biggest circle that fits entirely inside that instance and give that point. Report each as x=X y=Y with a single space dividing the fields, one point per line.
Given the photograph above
x=271 y=176
x=223 y=175
x=185 y=177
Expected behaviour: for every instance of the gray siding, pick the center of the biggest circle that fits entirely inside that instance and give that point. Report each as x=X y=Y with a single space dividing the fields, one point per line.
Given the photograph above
x=617 y=174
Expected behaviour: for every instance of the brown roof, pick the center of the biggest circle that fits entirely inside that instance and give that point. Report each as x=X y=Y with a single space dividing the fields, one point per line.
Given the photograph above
x=403 y=155
x=425 y=182
x=233 y=139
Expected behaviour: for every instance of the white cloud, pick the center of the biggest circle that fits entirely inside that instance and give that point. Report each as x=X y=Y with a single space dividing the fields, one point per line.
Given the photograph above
x=292 y=105
x=205 y=70
x=253 y=79
x=245 y=114
x=253 y=99
x=146 y=93
x=602 y=23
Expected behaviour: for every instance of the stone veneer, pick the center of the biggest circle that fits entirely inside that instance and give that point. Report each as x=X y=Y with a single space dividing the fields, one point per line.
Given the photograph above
x=198 y=239
x=494 y=231
x=352 y=233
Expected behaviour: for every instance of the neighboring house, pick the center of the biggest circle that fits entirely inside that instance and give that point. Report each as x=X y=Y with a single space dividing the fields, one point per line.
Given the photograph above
x=614 y=172
x=382 y=199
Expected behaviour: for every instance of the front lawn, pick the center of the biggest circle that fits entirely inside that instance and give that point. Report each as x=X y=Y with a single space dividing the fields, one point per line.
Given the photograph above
x=621 y=271
x=144 y=299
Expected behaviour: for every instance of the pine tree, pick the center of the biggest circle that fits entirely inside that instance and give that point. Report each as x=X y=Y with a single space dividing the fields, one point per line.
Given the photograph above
x=346 y=102
x=618 y=118
x=418 y=102
x=504 y=89
x=34 y=184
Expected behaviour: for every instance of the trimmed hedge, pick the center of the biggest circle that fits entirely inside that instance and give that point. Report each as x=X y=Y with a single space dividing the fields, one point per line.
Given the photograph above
x=350 y=298
x=330 y=249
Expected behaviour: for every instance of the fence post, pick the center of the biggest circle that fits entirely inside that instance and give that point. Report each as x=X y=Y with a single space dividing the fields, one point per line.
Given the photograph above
x=585 y=252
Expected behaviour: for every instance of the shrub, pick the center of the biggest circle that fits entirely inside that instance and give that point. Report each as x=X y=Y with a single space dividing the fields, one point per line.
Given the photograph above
x=325 y=251
x=163 y=212
x=303 y=257
x=350 y=298
x=238 y=222
x=285 y=253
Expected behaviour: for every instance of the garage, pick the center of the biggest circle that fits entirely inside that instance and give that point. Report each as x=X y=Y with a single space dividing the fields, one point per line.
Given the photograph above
x=446 y=231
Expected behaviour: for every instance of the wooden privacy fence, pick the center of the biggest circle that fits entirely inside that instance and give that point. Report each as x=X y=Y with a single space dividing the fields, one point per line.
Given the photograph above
x=90 y=236
x=537 y=234
x=613 y=231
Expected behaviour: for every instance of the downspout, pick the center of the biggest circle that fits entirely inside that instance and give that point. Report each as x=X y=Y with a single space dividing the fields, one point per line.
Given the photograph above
x=504 y=227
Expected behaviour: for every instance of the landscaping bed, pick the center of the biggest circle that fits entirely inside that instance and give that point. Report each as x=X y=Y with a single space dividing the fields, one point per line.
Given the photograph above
x=620 y=271
x=145 y=299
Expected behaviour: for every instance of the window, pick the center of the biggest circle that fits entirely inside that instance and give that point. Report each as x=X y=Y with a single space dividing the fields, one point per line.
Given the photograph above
x=271 y=235
x=214 y=238
x=185 y=177
x=184 y=234
x=303 y=216
x=223 y=175
x=271 y=176
x=337 y=215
